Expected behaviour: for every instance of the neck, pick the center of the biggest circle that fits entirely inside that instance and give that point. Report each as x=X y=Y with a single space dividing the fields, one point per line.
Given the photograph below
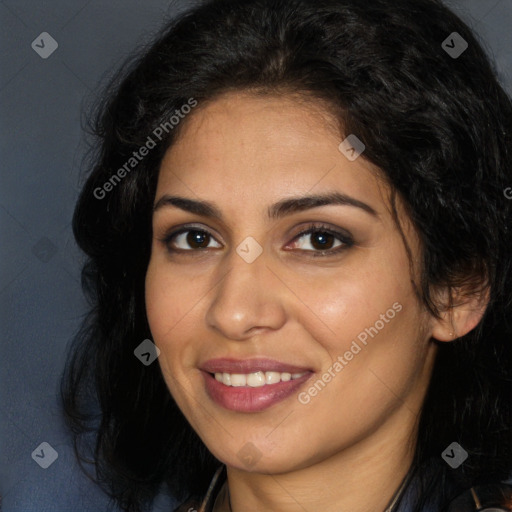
x=362 y=477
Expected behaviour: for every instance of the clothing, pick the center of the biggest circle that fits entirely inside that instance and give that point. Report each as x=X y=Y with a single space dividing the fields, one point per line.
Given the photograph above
x=216 y=498
x=447 y=493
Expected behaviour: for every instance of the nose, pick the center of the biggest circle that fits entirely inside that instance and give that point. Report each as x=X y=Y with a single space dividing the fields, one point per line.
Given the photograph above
x=249 y=299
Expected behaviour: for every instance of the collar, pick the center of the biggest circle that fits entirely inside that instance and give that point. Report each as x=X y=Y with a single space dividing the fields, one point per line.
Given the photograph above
x=216 y=498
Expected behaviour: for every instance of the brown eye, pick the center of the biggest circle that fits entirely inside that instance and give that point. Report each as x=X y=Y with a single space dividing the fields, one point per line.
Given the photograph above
x=197 y=237
x=187 y=239
x=322 y=241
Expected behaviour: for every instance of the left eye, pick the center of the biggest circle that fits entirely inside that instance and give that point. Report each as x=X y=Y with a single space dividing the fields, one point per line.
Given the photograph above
x=323 y=240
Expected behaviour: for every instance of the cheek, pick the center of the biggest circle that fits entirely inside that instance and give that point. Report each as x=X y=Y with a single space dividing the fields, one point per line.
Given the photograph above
x=166 y=304
x=160 y=303
x=342 y=307
x=175 y=311
x=374 y=325
x=164 y=309
x=169 y=299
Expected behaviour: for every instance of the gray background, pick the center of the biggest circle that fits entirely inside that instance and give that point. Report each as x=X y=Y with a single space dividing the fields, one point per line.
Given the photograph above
x=42 y=147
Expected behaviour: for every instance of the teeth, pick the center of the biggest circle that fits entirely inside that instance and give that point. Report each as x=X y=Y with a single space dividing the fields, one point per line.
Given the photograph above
x=272 y=377
x=237 y=379
x=256 y=379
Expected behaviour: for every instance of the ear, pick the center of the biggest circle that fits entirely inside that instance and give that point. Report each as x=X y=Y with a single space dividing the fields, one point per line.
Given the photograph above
x=461 y=316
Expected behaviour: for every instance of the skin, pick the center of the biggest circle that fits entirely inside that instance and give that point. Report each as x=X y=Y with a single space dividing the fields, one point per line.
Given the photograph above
x=350 y=447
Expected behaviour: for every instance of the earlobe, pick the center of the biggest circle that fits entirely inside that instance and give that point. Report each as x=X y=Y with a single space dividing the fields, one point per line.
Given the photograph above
x=461 y=317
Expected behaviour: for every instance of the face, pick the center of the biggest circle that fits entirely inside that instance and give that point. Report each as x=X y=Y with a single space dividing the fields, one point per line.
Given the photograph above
x=288 y=327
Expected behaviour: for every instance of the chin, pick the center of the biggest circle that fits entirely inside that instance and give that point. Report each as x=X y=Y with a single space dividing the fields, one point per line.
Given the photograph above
x=252 y=457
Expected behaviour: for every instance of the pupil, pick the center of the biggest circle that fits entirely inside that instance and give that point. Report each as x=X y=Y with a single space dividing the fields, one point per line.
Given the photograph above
x=197 y=238
x=323 y=239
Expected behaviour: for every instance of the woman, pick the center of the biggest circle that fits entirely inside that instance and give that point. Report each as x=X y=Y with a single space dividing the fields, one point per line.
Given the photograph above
x=299 y=264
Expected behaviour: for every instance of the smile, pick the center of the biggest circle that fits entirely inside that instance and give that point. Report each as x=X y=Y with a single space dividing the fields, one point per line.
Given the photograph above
x=251 y=385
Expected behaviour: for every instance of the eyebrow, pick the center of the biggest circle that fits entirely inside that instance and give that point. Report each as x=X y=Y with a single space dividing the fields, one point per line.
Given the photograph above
x=275 y=211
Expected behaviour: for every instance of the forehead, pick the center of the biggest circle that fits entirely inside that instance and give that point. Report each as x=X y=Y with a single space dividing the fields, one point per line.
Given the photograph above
x=264 y=148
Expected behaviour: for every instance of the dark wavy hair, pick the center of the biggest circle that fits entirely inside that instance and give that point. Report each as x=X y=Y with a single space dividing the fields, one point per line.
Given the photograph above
x=440 y=129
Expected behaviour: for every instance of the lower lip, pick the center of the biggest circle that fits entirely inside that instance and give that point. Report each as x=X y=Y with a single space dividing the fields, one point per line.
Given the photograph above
x=247 y=399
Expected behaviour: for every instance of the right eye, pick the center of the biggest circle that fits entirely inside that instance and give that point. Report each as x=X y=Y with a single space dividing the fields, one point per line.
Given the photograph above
x=197 y=239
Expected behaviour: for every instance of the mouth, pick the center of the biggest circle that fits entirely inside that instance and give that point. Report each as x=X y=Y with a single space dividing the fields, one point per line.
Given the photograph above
x=251 y=385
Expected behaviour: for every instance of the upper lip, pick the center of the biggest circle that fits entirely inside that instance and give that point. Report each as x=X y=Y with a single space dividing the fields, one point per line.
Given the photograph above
x=228 y=365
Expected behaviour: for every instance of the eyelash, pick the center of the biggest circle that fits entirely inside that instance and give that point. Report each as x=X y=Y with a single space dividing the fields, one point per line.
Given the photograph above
x=312 y=228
